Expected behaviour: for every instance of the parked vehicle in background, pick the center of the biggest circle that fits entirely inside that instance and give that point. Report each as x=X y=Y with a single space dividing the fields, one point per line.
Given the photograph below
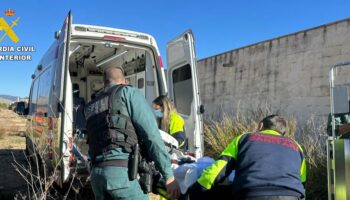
x=19 y=107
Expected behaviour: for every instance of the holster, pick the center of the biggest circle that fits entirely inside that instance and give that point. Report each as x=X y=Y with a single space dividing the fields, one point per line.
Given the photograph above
x=146 y=175
x=134 y=162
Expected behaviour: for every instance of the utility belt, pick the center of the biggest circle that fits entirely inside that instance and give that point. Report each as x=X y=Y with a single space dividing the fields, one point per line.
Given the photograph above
x=131 y=163
x=138 y=168
x=116 y=163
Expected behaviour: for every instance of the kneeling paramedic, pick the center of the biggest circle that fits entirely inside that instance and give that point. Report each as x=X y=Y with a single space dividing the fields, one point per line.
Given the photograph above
x=268 y=166
x=118 y=120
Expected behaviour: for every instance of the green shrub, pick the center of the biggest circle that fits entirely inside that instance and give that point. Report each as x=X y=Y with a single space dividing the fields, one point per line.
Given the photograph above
x=312 y=137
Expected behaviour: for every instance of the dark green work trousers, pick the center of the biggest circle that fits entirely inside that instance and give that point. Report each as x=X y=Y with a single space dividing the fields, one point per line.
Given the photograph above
x=113 y=183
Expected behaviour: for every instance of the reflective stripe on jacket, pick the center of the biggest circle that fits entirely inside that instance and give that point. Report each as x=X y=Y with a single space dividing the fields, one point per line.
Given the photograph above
x=177 y=128
x=266 y=164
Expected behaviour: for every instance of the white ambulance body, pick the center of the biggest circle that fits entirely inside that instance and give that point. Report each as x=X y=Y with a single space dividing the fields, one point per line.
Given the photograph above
x=70 y=73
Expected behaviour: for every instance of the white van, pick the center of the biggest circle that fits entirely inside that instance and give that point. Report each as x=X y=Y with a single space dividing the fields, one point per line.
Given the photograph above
x=70 y=73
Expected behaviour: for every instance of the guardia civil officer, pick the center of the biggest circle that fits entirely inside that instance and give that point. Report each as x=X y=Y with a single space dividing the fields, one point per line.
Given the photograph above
x=269 y=166
x=118 y=118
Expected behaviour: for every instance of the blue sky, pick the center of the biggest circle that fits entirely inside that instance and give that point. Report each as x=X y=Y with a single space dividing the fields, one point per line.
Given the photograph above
x=218 y=26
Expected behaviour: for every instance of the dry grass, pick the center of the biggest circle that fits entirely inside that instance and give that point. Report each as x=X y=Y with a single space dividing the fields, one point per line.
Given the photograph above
x=312 y=136
x=12 y=142
x=2 y=133
x=218 y=134
x=11 y=123
x=11 y=127
x=4 y=105
x=153 y=196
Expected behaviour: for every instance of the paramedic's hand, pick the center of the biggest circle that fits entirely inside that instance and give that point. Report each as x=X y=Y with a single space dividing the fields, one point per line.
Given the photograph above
x=172 y=188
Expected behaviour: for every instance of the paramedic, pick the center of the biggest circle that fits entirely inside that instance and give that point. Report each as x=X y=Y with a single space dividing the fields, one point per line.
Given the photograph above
x=169 y=120
x=268 y=165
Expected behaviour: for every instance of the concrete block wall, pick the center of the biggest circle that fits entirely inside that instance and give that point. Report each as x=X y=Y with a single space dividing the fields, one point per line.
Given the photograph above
x=288 y=73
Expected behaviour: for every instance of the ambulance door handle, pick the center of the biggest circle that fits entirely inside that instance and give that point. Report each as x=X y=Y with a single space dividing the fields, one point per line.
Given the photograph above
x=201 y=109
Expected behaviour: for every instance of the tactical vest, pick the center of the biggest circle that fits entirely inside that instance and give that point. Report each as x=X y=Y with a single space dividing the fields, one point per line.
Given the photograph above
x=108 y=123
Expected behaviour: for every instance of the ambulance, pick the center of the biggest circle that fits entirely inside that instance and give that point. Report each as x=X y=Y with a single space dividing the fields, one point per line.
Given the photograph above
x=71 y=72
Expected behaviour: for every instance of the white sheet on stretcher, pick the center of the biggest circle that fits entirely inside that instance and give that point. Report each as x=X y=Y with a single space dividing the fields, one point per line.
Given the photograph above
x=187 y=174
x=168 y=139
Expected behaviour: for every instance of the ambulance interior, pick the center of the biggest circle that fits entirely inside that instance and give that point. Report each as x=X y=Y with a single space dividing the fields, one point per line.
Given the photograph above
x=88 y=60
x=86 y=64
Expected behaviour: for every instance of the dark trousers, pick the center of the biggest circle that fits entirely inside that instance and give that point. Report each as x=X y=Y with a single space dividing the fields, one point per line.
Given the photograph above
x=217 y=192
x=272 y=198
x=197 y=192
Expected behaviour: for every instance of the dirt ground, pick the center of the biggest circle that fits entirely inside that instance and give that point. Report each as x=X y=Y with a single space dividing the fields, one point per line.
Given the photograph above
x=12 y=145
x=11 y=123
x=11 y=182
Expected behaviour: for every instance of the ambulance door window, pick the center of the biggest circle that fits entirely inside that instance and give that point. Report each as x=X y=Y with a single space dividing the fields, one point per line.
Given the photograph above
x=183 y=89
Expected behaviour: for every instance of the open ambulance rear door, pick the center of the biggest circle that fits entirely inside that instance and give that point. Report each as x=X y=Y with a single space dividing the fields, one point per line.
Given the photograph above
x=65 y=101
x=183 y=89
